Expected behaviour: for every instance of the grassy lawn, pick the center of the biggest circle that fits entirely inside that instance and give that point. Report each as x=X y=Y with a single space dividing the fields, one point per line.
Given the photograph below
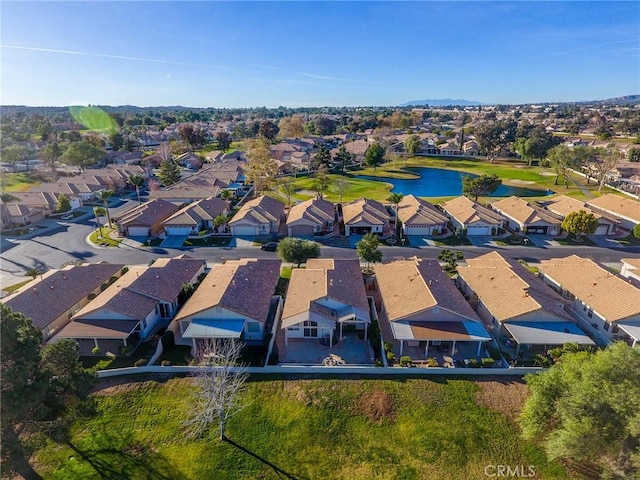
x=19 y=182
x=357 y=188
x=629 y=240
x=15 y=287
x=571 y=240
x=144 y=351
x=513 y=240
x=207 y=242
x=104 y=240
x=452 y=241
x=311 y=429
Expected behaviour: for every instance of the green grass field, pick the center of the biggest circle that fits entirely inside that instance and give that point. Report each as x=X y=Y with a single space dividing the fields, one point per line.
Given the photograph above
x=18 y=182
x=105 y=239
x=310 y=429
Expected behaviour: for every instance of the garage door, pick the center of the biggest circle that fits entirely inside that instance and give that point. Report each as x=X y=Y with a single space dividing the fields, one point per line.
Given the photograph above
x=301 y=230
x=240 y=231
x=478 y=230
x=178 y=230
x=602 y=229
x=413 y=230
x=138 y=231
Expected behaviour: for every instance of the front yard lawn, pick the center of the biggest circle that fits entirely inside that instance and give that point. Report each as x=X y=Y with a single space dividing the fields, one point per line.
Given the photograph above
x=513 y=240
x=17 y=286
x=105 y=240
x=451 y=241
x=207 y=242
x=629 y=240
x=571 y=240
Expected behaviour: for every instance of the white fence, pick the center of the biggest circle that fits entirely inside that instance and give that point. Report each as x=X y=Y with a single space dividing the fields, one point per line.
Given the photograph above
x=332 y=371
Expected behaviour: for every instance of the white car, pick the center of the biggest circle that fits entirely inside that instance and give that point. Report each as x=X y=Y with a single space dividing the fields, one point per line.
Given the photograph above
x=68 y=216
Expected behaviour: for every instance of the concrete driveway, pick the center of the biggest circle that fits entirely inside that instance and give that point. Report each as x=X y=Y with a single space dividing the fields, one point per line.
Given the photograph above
x=481 y=240
x=174 y=241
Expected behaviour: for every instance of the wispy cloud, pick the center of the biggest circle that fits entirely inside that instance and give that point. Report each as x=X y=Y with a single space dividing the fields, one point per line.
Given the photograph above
x=315 y=76
x=104 y=55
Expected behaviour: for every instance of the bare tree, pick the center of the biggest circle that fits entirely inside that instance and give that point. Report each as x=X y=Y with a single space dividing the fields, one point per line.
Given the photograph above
x=602 y=162
x=340 y=186
x=218 y=385
x=288 y=188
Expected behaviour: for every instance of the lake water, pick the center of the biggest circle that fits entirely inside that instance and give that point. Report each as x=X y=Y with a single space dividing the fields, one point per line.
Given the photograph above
x=437 y=182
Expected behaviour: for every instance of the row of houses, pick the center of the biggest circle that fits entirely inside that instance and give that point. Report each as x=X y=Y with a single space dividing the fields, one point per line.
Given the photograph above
x=110 y=308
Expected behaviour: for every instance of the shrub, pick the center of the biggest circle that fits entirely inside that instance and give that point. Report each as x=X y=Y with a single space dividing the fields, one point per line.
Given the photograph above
x=167 y=340
x=91 y=296
x=165 y=363
x=473 y=363
x=141 y=362
x=388 y=346
x=378 y=363
x=488 y=362
x=432 y=362
x=405 y=361
x=95 y=350
x=124 y=270
x=124 y=350
x=391 y=356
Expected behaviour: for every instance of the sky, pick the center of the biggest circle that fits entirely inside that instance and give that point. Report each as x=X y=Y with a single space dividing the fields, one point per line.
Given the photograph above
x=251 y=54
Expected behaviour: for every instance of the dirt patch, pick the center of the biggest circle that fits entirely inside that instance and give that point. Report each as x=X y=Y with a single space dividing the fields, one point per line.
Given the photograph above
x=517 y=181
x=506 y=397
x=377 y=405
x=114 y=385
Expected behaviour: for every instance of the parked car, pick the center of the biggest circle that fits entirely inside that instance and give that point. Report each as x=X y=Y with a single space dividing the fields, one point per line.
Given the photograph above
x=269 y=246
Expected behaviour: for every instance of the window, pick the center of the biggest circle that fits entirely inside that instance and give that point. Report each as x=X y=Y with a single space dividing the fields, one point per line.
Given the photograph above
x=590 y=313
x=310 y=329
x=164 y=310
x=615 y=328
x=295 y=328
x=606 y=326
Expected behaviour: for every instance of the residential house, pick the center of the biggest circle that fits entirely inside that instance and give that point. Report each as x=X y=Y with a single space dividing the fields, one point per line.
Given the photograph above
x=450 y=148
x=180 y=193
x=323 y=298
x=196 y=217
x=190 y=160
x=607 y=305
x=470 y=148
x=145 y=220
x=18 y=215
x=523 y=216
x=419 y=217
x=260 y=216
x=134 y=307
x=471 y=217
x=55 y=296
x=627 y=210
x=76 y=192
x=422 y=308
x=515 y=304
x=563 y=206
x=310 y=217
x=365 y=216
x=631 y=270
x=233 y=301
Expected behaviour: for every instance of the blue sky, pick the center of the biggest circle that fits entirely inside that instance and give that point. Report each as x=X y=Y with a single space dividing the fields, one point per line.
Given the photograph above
x=242 y=54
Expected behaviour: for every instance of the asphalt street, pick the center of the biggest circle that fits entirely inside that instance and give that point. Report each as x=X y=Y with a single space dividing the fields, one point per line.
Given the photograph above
x=64 y=242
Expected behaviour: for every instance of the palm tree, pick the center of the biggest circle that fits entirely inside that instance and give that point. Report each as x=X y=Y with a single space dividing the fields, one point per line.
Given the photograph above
x=137 y=181
x=98 y=212
x=395 y=199
x=105 y=195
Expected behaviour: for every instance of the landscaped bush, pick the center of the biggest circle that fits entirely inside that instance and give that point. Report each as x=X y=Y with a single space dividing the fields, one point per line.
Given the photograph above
x=405 y=361
x=391 y=356
x=95 y=350
x=124 y=270
x=432 y=362
x=91 y=296
x=388 y=346
x=488 y=362
x=141 y=362
x=473 y=363
x=165 y=363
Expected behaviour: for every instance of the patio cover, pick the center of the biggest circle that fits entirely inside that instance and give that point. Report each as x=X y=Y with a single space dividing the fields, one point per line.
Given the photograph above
x=105 y=329
x=465 y=331
x=201 y=328
x=547 y=333
x=632 y=330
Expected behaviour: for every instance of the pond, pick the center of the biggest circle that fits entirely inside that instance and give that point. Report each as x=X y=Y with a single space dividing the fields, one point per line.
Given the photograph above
x=438 y=182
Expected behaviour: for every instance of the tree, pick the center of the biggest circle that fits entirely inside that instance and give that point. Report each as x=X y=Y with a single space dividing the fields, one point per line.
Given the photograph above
x=82 y=155
x=636 y=231
x=218 y=386
x=193 y=136
x=169 y=173
x=374 y=155
x=298 y=250
x=50 y=154
x=33 y=273
x=105 y=195
x=116 y=140
x=224 y=140
x=99 y=212
x=602 y=161
x=479 y=186
x=536 y=144
x=321 y=181
x=136 y=181
x=368 y=250
x=450 y=259
x=219 y=221
x=342 y=158
x=395 y=198
x=585 y=409
x=580 y=223
x=291 y=127
x=261 y=168
x=563 y=159
x=340 y=186
x=226 y=194
x=15 y=154
x=634 y=154
x=42 y=387
x=413 y=144
x=288 y=188
x=268 y=130
x=322 y=157
x=492 y=137
x=64 y=204
x=324 y=126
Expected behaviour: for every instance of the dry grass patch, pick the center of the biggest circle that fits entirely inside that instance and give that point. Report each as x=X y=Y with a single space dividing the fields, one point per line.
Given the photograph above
x=376 y=406
x=506 y=397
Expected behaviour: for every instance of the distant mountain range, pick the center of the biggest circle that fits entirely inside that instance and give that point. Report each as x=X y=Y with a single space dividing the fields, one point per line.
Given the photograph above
x=442 y=102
